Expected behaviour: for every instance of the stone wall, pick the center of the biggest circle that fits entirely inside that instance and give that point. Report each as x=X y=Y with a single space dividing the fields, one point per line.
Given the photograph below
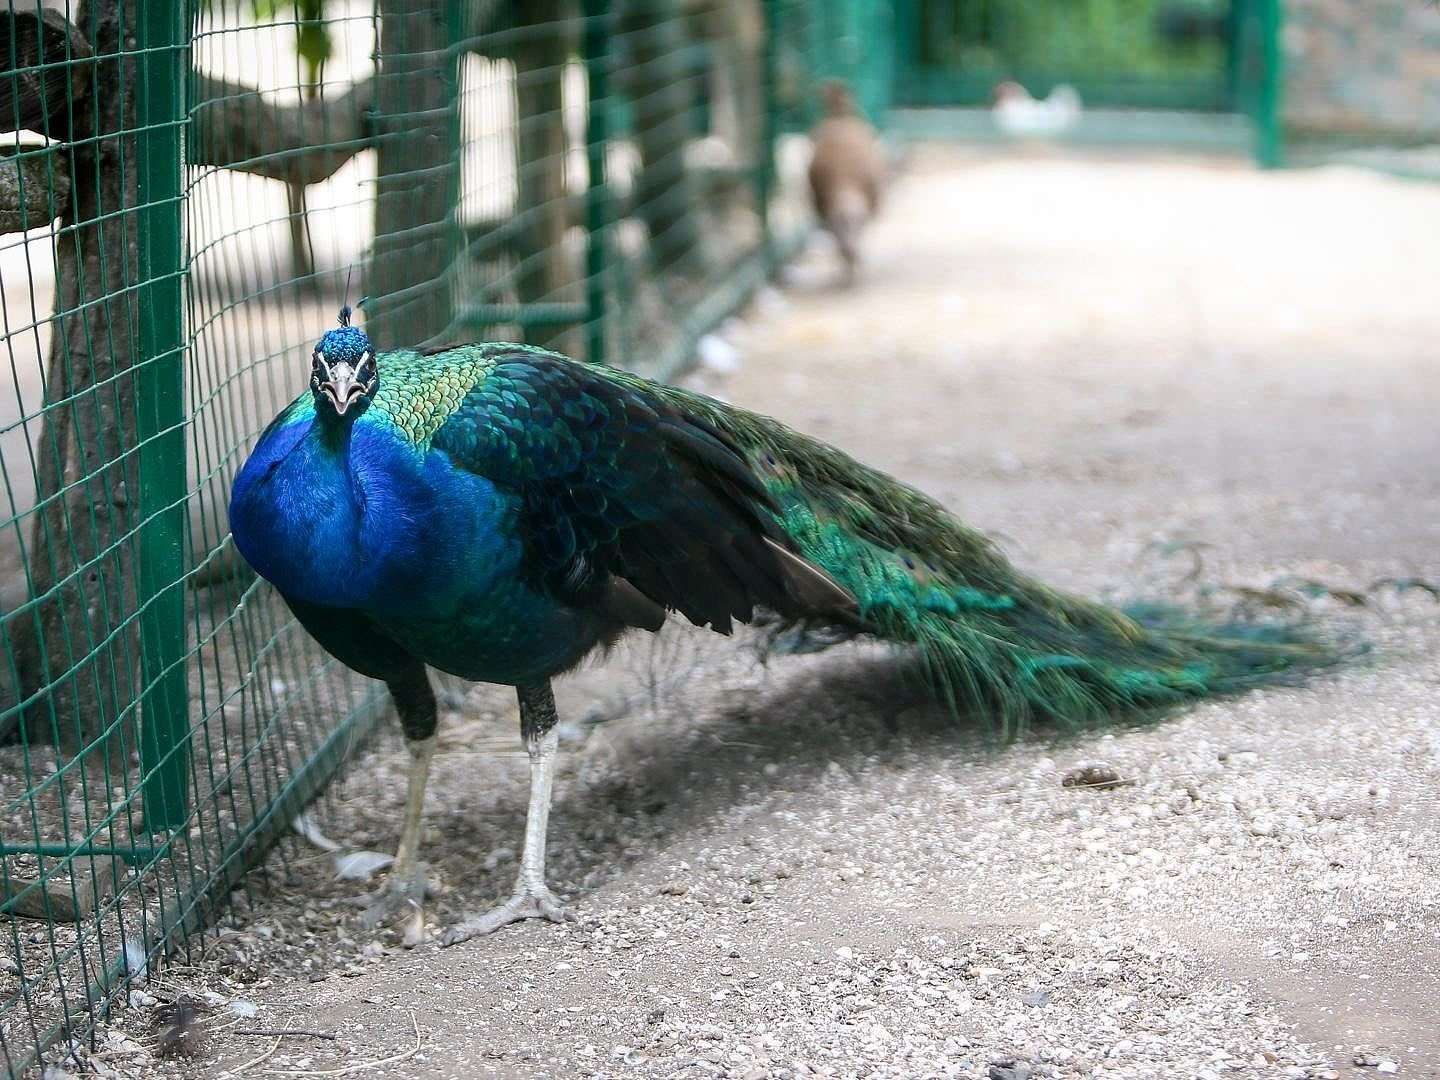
x=1363 y=66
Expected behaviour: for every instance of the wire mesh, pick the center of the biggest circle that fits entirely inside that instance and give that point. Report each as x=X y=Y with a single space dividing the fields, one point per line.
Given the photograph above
x=188 y=196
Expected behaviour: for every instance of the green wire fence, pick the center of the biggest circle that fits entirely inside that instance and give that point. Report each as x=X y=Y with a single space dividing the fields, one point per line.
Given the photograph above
x=189 y=194
x=1292 y=82
x=1200 y=73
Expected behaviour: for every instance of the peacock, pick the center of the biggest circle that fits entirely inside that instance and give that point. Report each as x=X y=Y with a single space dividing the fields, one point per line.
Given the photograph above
x=500 y=512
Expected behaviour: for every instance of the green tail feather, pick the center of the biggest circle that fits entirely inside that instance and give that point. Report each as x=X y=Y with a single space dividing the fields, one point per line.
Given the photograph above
x=989 y=635
x=993 y=638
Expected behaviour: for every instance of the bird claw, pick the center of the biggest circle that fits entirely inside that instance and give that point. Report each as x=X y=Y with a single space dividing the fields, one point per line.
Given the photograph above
x=402 y=895
x=527 y=902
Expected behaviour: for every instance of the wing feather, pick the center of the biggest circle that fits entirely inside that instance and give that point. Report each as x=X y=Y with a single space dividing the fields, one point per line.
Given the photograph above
x=619 y=484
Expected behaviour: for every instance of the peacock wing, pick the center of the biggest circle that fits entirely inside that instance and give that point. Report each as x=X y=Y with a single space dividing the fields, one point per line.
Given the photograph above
x=631 y=504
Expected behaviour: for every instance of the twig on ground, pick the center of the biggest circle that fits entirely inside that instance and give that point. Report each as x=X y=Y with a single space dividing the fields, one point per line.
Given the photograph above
x=360 y=1066
x=282 y=1032
x=255 y=1060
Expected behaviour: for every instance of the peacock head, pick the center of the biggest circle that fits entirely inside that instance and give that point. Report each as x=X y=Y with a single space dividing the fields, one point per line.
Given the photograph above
x=343 y=376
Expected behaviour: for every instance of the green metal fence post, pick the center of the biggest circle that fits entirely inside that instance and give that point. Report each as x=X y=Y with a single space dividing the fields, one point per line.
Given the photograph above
x=1269 y=119
x=596 y=48
x=769 y=132
x=163 y=70
x=906 y=58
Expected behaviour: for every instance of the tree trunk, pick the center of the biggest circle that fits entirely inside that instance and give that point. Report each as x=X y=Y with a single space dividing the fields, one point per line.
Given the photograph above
x=656 y=78
x=409 y=283
x=238 y=127
x=543 y=269
x=73 y=648
x=31 y=194
x=302 y=251
x=737 y=94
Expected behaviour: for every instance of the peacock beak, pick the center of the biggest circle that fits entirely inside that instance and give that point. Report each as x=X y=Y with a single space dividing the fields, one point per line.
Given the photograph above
x=342 y=387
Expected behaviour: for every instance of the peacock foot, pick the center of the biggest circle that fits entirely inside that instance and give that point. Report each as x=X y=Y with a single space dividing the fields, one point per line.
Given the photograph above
x=528 y=902
x=401 y=899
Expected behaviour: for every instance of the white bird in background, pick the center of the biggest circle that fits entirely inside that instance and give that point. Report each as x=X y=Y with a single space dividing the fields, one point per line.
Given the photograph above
x=1016 y=113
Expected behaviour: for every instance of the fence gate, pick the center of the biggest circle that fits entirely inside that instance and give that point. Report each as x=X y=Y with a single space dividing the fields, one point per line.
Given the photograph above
x=1216 y=56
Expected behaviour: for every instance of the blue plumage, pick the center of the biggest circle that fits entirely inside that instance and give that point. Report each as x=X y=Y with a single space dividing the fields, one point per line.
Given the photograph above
x=424 y=554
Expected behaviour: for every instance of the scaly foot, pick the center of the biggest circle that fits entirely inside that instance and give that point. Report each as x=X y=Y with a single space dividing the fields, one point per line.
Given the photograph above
x=402 y=897
x=527 y=902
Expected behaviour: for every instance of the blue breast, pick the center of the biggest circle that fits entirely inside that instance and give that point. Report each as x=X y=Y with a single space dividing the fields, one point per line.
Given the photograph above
x=292 y=512
x=360 y=519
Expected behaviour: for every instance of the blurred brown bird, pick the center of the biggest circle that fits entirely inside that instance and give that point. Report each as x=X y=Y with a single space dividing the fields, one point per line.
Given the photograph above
x=846 y=172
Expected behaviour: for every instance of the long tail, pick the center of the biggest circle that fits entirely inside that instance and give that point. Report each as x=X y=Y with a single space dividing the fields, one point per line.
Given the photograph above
x=992 y=637
x=989 y=635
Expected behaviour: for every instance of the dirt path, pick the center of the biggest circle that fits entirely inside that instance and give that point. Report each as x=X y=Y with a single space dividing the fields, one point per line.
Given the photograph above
x=803 y=870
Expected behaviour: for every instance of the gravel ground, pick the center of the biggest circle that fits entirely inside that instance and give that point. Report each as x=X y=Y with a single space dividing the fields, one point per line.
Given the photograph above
x=1149 y=377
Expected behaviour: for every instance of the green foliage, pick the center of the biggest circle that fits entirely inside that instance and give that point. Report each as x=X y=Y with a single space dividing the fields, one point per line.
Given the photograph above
x=312 y=37
x=1071 y=39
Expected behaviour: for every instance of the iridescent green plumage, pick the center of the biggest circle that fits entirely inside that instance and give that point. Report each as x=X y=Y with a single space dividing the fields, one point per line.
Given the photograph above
x=988 y=634
x=595 y=453
x=420 y=392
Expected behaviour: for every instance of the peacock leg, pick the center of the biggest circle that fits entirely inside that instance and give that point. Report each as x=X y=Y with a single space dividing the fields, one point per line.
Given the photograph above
x=532 y=898
x=403 y=894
